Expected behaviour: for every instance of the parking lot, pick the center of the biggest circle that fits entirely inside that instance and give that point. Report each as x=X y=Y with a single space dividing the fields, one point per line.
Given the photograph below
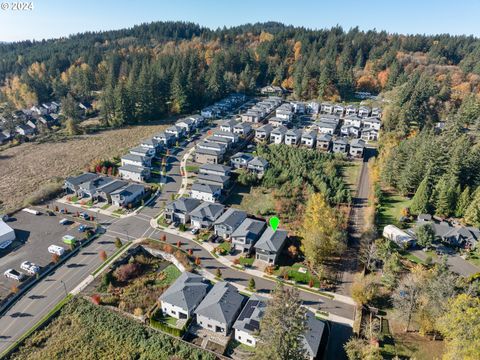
x=34 y=234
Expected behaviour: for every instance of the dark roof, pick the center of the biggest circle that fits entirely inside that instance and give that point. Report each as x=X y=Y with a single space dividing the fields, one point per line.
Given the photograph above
x=313 y=334
x=272 y=240
x=216 y=168
x=132 y=168
x=251 y=314
x=207 y=210
x=205 y=188
x=258 y=161
x=186 y=292
x=249 y=227
x=183 y=204
x=211 y=152
x=242 y=155
x=219 y=179
x=129 y=190
x=232 y=218
x=222 y=303
x=77 y=180
x=112 y=186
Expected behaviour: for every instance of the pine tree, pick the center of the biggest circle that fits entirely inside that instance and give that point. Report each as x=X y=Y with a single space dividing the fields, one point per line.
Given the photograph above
x=282 y=327
x=463 y=202
x=421 y=200
x=472 y=214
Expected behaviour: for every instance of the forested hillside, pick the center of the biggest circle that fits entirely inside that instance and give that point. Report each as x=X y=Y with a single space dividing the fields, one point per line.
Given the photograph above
x=173 y=67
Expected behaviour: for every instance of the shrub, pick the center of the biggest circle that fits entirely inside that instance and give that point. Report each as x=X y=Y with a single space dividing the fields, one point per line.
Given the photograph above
x=128 y=271
x=236 y=261
x=96 y=299
x=103 y=255
x=118 y=243
x=138 y=311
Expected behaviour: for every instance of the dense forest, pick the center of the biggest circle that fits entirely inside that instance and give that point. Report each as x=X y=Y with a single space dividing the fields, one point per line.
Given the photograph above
x=152 y=70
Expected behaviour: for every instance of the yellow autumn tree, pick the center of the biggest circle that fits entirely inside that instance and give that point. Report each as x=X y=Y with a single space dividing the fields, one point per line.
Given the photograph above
x=297 y=48
x=322 y=231
x=265 y=36
x=18 y=93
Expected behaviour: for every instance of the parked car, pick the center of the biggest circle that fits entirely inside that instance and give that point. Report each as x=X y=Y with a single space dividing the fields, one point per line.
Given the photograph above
x=83 y=228
x=31 y=211
x=85 y=216
x=29 y=267
x=214 y=238
x=64 y=222
x=176 y=224
x=14 y=275
x=194 y=231
x=57 y=250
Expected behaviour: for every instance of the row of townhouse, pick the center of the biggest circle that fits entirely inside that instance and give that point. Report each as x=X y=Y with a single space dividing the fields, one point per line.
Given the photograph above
x=223 y=106
x=246 y=161
x=258 y=112
x=212 y=149
x=310 y=138
x=341 y=110
x=105 y=188
x=355 y=126
x=136 y=165
x=221 y=308
x=246 y=234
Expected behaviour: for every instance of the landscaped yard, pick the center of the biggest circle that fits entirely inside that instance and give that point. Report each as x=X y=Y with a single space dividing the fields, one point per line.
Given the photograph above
x=192 y=168
x=119 y=211
x=246 y=261
x=296 y=275
x=224 y=247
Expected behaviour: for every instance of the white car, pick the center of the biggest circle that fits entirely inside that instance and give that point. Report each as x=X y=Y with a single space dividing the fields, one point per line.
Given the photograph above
x=29 y=268
x=57 y=250
x=14 y=274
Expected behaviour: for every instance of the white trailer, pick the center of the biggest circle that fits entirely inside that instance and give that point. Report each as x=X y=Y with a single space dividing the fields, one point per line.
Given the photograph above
x=398 y=236
x=31 y=211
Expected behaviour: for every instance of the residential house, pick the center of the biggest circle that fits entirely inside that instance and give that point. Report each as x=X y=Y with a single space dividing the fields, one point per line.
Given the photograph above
x=143 y=151
x=38 y=110
x=350 y=110
x=47 y=120
x=353 y=120
x=313 y=107
x=314 y=336
x=198 y=120
x=372 y=123
x=278 y=135
x=258 y=165
x=251 y=117
x=270 y=245
x=309 y=137
x=128 y=196
x=136 y=160
x=215 y=169
x=228 y=125
x=220 y=147
x=263 y=133
x=135 y=173
x=176 y=131
x=272 y=89
x=24 y=130
x=218 y=180
x=276 y=122
x=376 y=112
x=458 y=236
x=293 y=136
x=205 y=156
x=187 y=125
x=228 y=222
x=240 y=160
x=72 y=183
x=350 y=130
x=284 y=112
x=184 y=295
x=338 y=109
x=242 y=129
x=247 y=234
x=220 y=307
x=220 y=140
x=226 y=135
x=340 y=146
x=209 y=112
x=150 y=144
x=357 y=148
x=364 y=111
x=205 y=214
x=179 y=210
x=51 y=107
x=166 y=139
x=327 y=108
x=85 y=106
x=205 y=192
x=89 y=188
x=247 y=324
x=105 y=192
x=299 y=107
x=324 y=142
x=369 y=134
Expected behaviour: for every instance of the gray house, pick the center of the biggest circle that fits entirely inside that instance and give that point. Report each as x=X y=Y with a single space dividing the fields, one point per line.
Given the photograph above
x=215 y=169
x=166 y=139
x=179 y=210
x=240 y=160
x=313 y=335
x=340 y=146
x=205 y=214
x=105 y=192
x=324 y=142
x=206 y=156
x=129 y=195
x=219 y=309
x=217 y=180
x=263 y=133
x=89 y=188
x=247 y=234
x=293 y=136
x=270 y=245
x=184 y=295
x=228 y=222
x=72 y=183
x=247 y=325
x=258 y=165
x=357 y=147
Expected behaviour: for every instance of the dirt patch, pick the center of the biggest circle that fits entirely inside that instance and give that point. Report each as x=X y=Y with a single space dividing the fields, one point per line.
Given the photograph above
x=30 y=166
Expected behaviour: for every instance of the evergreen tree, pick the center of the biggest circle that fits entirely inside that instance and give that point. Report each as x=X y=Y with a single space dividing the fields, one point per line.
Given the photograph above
x=463 y=202
x=421 y=200
x=472 y=214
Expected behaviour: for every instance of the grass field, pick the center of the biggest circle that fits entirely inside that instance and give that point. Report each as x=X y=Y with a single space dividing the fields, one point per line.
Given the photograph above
x=30 y=166
x=255 y=200
x=350 y=173
x=391 y=209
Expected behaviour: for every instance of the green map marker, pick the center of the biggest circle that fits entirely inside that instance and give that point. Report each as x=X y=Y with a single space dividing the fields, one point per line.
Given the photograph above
x=274 y=221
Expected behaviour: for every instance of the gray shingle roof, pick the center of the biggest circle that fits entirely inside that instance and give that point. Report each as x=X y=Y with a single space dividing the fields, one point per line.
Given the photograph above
x=249 y=228
x=129 y=190
x=205 y=188
x=232 y=218
x=207 y=210
x=272 y=240
x=265 y=128
x=186 y=292
x=216 y=167
x=258 y=161
x=112 y=186
x=313 y=334
x=219 y=179
x=77 y=180
x=222 y=303
x=132 y=168
x=211 y=152
x=183 y=205
x=357 y=143
x=251 y=314
x=133 y=157
x=242 y=155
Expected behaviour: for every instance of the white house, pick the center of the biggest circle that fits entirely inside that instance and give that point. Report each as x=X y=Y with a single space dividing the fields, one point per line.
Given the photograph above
x=277 y=135
x=135 y=173
x=292 y=136
x=205 y=192
x=248 y=322
x=308 y=138
x=136 y=160
x=130 y=194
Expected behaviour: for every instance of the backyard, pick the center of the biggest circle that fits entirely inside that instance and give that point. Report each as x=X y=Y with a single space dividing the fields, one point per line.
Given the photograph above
x=391 y=209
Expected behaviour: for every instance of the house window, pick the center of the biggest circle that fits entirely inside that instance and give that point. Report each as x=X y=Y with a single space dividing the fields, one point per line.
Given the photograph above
x=249 y=341
x=239 y=338
x=174 y=313
x=209 y=326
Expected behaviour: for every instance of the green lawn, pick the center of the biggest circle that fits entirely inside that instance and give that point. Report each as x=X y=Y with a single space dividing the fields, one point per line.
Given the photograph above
x=227 y=246
x=161 y=221
x=119 y=212
x=172 y=273
x=391 y=209
x=105 y=207
x=246 y=261
x=191 y=168
x=474 y=259
x=294 y=274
